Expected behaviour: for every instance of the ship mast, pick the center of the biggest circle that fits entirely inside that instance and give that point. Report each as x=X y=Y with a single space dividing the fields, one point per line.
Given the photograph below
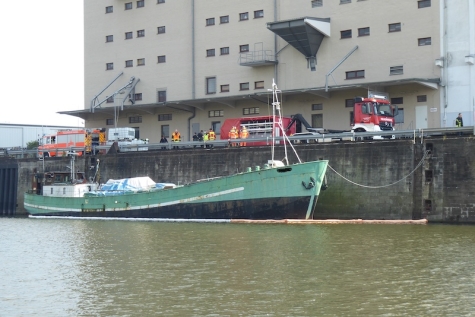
x=279 y=130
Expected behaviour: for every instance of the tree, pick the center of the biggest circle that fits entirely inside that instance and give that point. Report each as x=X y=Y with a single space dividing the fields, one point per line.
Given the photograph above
x=32 y=145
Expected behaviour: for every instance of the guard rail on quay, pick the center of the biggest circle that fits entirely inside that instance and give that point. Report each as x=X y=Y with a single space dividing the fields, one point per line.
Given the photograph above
x=417 y=135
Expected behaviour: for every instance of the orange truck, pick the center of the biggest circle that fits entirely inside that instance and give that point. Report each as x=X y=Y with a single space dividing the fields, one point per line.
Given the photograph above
x=81 y=141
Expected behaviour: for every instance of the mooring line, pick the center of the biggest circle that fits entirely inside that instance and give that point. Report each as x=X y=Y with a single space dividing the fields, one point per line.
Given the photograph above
x=382 y=186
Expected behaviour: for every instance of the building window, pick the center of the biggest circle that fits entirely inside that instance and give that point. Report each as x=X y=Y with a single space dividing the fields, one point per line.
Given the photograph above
x=345 y=1
x=224 y=19
x=211 y=85
x=109 y=121
x=396 y=70
x=400 y=116
x=317 y=3
x=137 y=130
x=135 y=119
x=216 y=113
x=317 y=106
x=216 y=126
x=128 y=35
x=161 y=29
x=160 y=1
x=138 y=96
x=397 y=101
x=422 y=98
x=109 y=66
x=209 y=21
x=243 y=16
x=248 y=111
x=259 y=84
x=128 y=6
x=423 y=4
x=346 y=34
x=165 y=130
x=110 y=99
x=395 y=27
x=349 y=103
x=317 y=120
x=244 y=86
x=162 y=95
x=109 y=38
x=224 y=50
x=258 y=14
x=210 y=52
x=224 y=88
x=141 y=62
x=424 y=41
x=363 y=31
x=355 y=74
x=165 y=117
x=129 y=63
x=244 y=48
x=140 y=33
x=109 y=9
x=140 y=4
x=162 y=59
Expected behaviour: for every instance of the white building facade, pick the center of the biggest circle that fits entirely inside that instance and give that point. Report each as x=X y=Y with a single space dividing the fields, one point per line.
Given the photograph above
x=161 y=65
x=17 y=136
x=458 y=59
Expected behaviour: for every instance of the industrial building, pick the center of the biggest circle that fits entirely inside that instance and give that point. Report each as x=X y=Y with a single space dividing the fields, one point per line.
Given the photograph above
x=161 y=65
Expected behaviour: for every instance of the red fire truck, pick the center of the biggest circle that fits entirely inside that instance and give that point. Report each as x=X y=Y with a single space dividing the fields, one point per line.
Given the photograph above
x=373 y=115
x=64 y=141
x=257 y=127
x=370 y=115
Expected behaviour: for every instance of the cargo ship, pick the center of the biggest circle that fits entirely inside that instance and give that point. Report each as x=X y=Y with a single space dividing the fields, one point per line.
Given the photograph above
x=275 y=190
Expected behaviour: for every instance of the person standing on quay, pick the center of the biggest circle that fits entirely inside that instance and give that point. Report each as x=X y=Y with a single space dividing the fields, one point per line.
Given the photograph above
x=205 y=139
x=211 y=136
x=459 y=122
x=233 y=135
x=176 y=137
x=243 y=134
x=163 y=140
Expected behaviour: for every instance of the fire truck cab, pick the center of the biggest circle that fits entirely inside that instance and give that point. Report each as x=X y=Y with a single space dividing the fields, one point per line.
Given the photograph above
x=374 y=114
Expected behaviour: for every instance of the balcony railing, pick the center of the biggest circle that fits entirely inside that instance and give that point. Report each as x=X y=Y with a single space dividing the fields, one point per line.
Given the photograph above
x=257 y=58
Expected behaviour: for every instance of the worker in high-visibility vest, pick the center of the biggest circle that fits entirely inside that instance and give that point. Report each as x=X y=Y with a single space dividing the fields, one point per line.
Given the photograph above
x=243 y=134
x=233 y=135
x=176 y=137
x=211 y=135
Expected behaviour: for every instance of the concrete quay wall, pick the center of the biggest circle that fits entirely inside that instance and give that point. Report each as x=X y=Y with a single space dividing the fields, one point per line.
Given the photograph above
x=432 y=179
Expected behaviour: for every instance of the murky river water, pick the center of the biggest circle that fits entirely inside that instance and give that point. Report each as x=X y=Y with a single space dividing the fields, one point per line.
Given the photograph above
x=52 y=267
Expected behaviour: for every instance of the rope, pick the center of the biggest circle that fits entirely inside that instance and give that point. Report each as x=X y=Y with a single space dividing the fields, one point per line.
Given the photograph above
x=382 y=186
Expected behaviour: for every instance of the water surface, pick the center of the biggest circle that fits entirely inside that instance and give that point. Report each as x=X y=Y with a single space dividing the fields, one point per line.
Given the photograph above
x=55 y=267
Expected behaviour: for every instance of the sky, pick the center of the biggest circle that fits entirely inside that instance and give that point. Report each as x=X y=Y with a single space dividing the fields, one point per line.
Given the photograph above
x=42 y=72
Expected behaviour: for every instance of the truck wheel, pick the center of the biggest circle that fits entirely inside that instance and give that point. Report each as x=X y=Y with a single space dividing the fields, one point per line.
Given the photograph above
x=360 y=138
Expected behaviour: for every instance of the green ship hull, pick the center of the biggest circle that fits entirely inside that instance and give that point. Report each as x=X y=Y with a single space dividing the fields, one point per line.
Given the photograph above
x=286 y=192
